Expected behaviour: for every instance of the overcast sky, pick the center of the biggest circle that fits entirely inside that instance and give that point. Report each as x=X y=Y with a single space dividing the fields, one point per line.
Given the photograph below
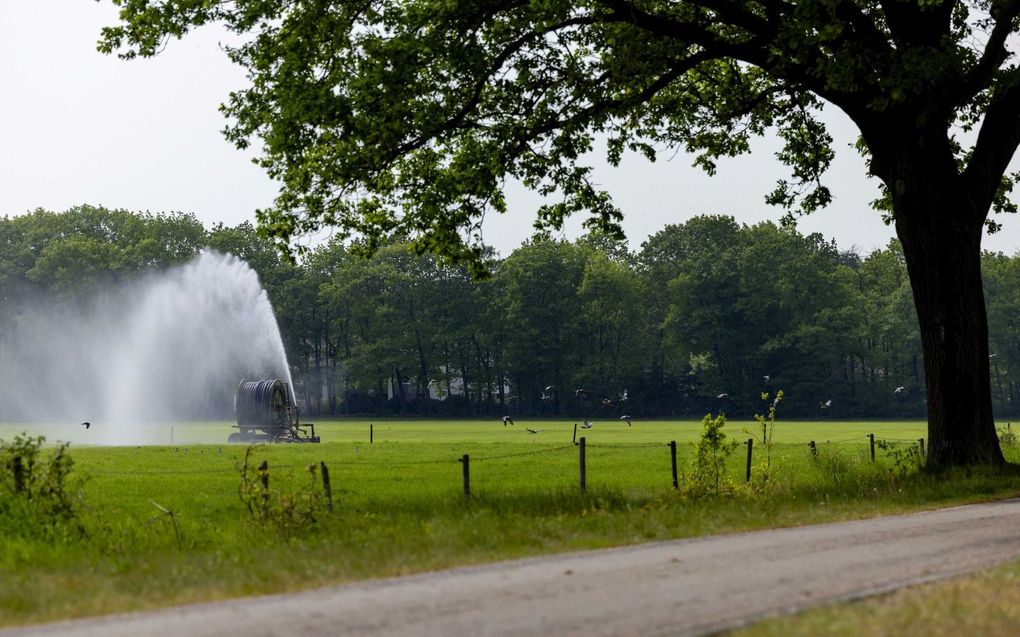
x=80 y=127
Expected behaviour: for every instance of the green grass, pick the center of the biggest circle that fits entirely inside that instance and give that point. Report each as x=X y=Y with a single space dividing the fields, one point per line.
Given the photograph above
x=355 y=431
x=400 y=509
x=986 y=604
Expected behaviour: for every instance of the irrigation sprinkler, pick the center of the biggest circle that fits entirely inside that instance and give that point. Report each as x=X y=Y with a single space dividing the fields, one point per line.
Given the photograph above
x=266 y=413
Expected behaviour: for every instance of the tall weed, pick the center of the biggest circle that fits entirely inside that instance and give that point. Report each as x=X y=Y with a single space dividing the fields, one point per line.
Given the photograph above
x=37 y=496
x=708 y=463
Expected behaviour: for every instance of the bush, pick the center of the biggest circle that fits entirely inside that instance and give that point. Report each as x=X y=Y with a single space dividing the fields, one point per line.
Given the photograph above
x=286 y=511
x=1007 y=437
x=36 y=493
x=708 y=465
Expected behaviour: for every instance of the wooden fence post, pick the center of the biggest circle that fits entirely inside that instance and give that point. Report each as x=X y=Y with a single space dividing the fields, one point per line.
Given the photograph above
x=575 y=434
x=18 y=469
x=264 y=476
x=920 y=441
x=871 y=438
x=371 y=433
x=466 y=461
x=814 y=450
x=672 y=457
x=750 y=447
x=581 y=465
x=325 y=485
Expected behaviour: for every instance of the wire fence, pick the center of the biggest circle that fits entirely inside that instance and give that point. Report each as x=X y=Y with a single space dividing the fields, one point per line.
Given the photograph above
x=580 y=447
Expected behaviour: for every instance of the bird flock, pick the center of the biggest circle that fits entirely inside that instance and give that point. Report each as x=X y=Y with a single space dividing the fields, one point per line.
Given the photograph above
x=583 y=395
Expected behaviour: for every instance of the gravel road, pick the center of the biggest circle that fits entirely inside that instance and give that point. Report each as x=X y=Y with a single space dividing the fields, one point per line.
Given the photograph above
x=687 y=587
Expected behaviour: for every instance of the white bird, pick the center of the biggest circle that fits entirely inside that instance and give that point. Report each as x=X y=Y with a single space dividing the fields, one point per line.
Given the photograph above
x=899 y=390
x=825 y=405
x=627 y=418
x=546 y=393
x=623 y=396
x=587 y=425
x=507 y=420
x=767 y=378
x=723 y=396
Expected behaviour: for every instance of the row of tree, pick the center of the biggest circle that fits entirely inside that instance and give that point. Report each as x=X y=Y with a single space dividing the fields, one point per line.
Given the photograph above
x=706 y=316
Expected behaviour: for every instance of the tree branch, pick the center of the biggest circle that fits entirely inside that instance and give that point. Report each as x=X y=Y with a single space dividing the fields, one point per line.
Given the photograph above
x=459 y=117
x=752 y=50
x=994 y=54
x=918 y=24
x=998 y=138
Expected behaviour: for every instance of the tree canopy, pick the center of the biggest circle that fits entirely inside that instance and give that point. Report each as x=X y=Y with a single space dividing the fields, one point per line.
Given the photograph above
x=383 y=117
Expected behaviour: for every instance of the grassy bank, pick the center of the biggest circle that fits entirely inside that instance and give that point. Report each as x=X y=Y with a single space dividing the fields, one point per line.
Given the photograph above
x=985 y=604
x=399 y=508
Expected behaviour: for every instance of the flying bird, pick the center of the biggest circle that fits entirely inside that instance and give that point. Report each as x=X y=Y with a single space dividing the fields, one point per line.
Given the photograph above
x=767 y=378
x=623 y=396
x=723 y=396
x=581 y=393
x=627 y=418
x=86 y=424
x=899 y=390
x=546 y=393
x=507 y=420
x=587 y=425
x=825 y=405
x=533 y=431
x=608 y=403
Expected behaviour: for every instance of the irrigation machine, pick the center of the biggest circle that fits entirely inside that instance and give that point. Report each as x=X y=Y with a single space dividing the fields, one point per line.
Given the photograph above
x=266 y=412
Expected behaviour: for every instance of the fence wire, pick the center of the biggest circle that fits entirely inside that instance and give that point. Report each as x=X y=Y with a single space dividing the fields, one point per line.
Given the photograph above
x=521 y=453
x=359 y=461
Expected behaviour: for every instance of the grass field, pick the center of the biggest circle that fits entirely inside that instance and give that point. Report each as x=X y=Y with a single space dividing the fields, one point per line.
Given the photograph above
x=986 y=604
x=399 y=506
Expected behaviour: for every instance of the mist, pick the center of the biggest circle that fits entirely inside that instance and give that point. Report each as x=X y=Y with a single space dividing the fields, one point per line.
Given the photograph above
x=171 y=346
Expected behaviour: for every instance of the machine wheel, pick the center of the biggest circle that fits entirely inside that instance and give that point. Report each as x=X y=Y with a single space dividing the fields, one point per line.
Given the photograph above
x=236 y=437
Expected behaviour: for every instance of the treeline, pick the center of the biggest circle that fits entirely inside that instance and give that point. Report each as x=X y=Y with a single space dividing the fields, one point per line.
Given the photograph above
x=705 y=317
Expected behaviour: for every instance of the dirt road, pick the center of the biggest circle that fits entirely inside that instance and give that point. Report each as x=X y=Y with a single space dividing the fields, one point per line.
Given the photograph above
x=687 y=587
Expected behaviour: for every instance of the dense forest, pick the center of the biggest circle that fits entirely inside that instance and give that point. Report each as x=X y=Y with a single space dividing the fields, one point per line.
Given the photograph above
x=706 y=316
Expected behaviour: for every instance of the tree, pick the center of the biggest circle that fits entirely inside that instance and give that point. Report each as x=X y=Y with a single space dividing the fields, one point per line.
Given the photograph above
x=1001 y=274
x=408 y=116
x=539 y=288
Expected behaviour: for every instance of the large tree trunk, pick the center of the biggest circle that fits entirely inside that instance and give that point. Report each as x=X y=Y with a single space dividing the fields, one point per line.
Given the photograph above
x=941 y=230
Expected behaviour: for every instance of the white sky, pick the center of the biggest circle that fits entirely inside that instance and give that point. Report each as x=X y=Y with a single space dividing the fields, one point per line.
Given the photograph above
x=80 y=127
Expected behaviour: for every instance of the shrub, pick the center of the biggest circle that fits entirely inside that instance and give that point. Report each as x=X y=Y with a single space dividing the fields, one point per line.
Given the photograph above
x=708 y=464
x=285 y=510
x=36 y=493
x=1007 y=437
x=763 y=435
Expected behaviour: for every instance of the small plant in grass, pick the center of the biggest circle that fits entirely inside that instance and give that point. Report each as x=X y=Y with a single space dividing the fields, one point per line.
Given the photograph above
x=905 y=458
x=1007 y=437
x=763 y=433
x=285 y=510
x=708 y=463
x=36 y=493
